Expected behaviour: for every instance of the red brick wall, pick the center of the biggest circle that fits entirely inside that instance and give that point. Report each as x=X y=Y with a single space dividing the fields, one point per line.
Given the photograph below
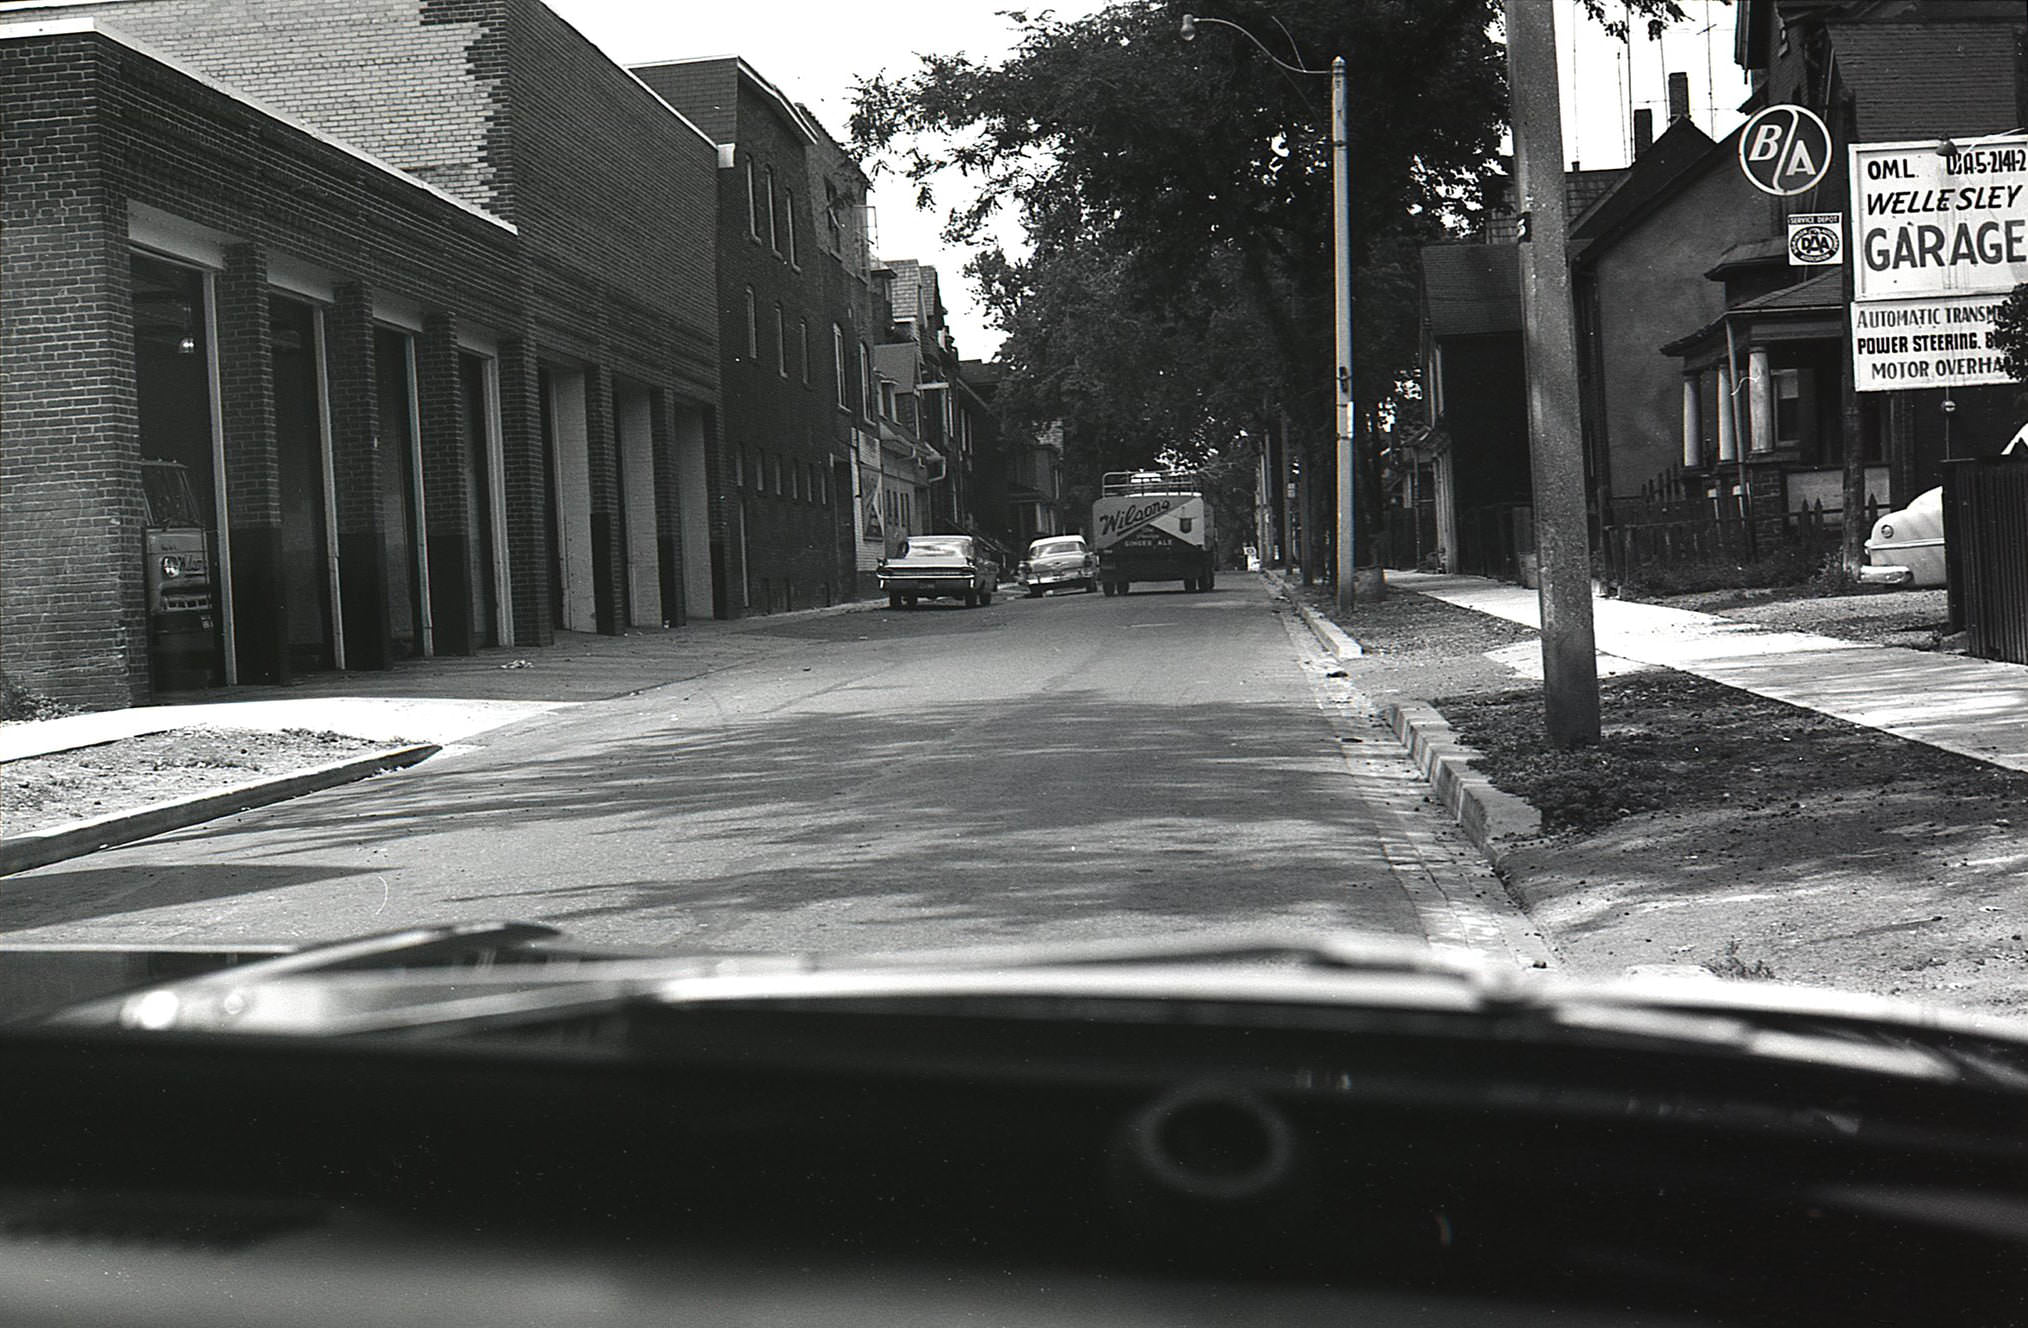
x=71 y=590
x=418 y=83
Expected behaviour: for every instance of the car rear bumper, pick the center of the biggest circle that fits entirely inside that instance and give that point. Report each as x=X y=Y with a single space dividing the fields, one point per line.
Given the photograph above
x=928 y=585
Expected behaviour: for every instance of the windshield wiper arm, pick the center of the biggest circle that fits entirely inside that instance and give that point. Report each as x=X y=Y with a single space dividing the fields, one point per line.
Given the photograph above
x=166 y=1005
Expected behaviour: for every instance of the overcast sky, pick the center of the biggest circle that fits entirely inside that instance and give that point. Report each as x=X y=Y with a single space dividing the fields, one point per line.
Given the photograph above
x=814 y=49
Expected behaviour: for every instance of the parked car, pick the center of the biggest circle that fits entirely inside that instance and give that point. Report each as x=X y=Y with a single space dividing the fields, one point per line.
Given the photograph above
x=1907 y=546
x=1058 y=561
x=939 y=566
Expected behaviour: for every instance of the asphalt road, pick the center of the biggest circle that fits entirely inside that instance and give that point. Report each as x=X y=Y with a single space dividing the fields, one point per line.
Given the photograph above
x=1076 y=766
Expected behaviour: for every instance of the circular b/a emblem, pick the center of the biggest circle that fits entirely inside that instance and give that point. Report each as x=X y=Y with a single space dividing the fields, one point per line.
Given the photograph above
x=1814 y=243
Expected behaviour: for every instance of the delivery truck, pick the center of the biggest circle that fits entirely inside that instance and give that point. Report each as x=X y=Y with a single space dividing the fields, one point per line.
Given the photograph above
x=1153 y=525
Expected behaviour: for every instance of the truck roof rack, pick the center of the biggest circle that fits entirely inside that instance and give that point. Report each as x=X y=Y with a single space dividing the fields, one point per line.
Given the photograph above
x=1115 y=482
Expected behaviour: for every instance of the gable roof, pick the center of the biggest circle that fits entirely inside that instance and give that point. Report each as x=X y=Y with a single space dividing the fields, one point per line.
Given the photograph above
x=1682 y=150
x=1471 y=289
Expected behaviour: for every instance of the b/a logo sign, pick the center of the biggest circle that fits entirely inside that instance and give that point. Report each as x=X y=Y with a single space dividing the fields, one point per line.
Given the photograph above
x=1785 y=150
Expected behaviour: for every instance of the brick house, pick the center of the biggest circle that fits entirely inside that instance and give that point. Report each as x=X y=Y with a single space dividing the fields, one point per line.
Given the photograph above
x=1885 y=71
x=1711 y=366
x=798 y=315
x=438 y=378
x=945 y=410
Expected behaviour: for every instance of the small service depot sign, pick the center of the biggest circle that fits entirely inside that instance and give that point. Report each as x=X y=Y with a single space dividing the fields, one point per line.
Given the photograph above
x=1816 y=239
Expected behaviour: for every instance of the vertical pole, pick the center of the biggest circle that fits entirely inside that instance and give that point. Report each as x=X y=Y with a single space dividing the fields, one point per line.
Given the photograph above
x=1562 y=536
x=1853 y=528
x=1341 y=225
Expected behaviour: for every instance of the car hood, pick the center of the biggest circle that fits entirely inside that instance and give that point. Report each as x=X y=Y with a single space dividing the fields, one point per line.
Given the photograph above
x=494 y=977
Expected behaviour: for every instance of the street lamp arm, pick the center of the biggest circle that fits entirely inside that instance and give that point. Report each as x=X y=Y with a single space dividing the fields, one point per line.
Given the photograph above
x=1190 y=22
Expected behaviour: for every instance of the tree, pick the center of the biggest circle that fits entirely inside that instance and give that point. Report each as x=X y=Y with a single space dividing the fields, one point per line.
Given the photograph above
x=1176 y=202
x=2010 y=333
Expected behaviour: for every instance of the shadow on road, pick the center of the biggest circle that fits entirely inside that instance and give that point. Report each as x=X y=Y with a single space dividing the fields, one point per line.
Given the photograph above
x=1070 y=805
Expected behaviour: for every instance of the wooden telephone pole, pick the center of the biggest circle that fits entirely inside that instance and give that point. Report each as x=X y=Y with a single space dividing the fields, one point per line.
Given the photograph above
x=1556 y=449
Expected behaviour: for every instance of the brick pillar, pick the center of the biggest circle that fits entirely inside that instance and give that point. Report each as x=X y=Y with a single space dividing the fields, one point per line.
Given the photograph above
x=526 y=481
x=668 y=506
x=73 y=609
x=608 y=525
x=728 y=565
x=253 y=473
x=447 y=486
x=355 y=430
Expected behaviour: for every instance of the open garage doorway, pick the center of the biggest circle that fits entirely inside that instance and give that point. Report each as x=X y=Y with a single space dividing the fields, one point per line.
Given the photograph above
x=176 y=384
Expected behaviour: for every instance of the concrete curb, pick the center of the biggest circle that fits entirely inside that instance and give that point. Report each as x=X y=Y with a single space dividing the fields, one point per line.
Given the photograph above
x=1330 y=635
x=1490 y=818
x=57 y=843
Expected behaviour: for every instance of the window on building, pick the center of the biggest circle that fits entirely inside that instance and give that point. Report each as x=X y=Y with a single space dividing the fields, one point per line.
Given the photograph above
x=803 y=340
x=838 y=366
x=774 y=228
x=781 y=341
x=789 y=223
x=866 y=377
x=752 y=328
x=1792 y=406
x=739 y=469
x=752 y=203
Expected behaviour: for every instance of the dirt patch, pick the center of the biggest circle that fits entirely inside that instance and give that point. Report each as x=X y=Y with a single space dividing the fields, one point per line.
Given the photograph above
x=1913 y=619
x=1418 y=647
x=1711 y=827
x=37 y=792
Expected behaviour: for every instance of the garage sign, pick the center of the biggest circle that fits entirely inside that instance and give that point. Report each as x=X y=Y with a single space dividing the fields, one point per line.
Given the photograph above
x=1931 y=220
x=1947 y=342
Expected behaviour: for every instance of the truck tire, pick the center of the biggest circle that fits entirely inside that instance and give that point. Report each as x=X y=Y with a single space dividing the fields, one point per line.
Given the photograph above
x=985 y=598
x=1035 y=592
x=894 y=599
x=971 y=599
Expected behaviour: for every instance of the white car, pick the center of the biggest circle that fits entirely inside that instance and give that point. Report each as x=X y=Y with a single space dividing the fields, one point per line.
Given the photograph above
x=1907 y=547
x=1058 y=561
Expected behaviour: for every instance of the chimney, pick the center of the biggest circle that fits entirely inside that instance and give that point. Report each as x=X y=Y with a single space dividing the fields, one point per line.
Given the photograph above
x=1644 y=131
x=1679 y=97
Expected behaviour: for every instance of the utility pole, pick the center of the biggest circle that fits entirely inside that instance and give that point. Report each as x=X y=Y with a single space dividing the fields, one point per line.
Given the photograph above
x=1556 y=448
x=1341 y=285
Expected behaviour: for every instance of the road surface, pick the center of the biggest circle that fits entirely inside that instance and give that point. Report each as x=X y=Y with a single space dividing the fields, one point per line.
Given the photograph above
x=1073 y=767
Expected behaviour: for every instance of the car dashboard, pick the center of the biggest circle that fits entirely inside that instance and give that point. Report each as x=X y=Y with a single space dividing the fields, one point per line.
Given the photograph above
x=1006 y=1162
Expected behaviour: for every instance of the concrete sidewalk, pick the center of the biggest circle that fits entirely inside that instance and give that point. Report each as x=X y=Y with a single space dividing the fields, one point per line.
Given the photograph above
x=1972 y=707
x=438 y=701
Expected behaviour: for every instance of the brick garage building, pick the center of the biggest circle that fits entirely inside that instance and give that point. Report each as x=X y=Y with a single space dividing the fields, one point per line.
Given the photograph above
x=796 y=323
x=442 y=379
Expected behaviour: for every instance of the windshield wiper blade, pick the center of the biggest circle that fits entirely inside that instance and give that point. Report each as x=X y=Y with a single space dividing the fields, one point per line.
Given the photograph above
x=173 y=1003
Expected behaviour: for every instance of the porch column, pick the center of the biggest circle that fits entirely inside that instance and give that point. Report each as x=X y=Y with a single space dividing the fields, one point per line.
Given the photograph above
x=1760 y=401
x=1693 y=423
x=1728 y=417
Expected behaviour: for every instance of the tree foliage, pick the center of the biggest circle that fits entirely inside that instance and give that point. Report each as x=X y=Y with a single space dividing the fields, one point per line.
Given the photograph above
x=2010 y=333
x=1176 y=201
